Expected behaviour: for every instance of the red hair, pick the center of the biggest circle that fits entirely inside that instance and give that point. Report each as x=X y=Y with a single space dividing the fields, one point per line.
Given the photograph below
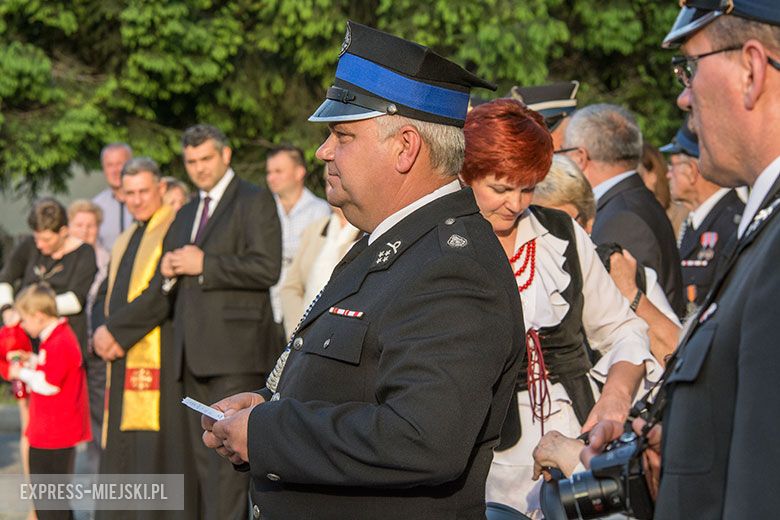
x=506 y=139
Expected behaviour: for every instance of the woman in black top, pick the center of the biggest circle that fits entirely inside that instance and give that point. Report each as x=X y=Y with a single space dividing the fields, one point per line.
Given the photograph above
x=51 y=255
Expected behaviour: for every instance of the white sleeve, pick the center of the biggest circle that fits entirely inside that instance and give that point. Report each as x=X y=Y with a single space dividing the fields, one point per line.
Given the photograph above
x=6 y=294
x=657 y=297
x=609 y=324
x=36 y=380
x=68 y=304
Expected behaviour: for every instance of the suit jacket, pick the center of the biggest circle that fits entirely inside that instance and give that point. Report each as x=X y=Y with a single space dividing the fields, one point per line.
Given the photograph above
x=222 y=319
x=630 y=215
x=720 y=453
x=699 y=255
x=395 y=413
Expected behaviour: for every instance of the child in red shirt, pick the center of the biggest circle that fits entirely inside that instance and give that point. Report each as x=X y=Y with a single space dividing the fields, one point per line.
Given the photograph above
x=59 y=413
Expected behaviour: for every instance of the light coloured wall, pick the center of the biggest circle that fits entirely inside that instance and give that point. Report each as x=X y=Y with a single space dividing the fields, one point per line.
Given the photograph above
x=13 y=209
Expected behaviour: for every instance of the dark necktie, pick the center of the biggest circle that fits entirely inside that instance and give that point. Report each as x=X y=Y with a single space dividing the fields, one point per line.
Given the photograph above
x=204 y=218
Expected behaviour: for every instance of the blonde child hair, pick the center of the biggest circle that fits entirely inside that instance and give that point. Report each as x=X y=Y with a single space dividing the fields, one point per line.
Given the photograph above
x=38 y=297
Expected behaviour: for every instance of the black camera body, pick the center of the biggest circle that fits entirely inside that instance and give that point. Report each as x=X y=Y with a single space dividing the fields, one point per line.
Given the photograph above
x=615 y=483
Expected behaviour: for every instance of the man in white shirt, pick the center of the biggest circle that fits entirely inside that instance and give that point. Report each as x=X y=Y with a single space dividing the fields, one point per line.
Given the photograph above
x=116 y=217
x=296 y=205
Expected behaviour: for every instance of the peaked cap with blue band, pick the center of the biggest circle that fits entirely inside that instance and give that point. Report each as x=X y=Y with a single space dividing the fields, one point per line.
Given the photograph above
x=381 y=74
x=684 y=141
x=697 y=14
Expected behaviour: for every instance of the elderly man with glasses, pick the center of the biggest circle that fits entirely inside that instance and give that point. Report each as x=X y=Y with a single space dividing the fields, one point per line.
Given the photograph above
x=718 y=430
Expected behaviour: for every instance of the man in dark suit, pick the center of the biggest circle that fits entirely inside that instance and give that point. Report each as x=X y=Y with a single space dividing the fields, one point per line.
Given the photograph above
x=221 y=255
x=606 y=143
x=390 y=397
x=720 y=427
x=225 y=252
x=713 y=219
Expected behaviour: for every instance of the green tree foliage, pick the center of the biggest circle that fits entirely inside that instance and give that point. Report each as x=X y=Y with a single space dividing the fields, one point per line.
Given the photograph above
x=78 y=74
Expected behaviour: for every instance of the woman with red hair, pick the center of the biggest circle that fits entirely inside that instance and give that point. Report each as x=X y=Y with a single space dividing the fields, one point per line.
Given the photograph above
x=569 y=301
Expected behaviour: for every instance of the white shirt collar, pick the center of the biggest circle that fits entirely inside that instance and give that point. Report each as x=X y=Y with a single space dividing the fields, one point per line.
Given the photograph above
x=601 y=189
x=48 y=329
x=218 y=190
x=401 y=214
x=757 y=194
x=698 y=215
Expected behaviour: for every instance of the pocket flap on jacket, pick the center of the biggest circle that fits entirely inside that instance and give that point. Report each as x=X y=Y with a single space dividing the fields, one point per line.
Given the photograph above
x=691 y=359
x=337 y=337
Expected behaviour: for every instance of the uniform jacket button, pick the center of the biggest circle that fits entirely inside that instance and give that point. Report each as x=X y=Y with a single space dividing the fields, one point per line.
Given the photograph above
x=298 y=343
x=273 y=477
x=255 y=511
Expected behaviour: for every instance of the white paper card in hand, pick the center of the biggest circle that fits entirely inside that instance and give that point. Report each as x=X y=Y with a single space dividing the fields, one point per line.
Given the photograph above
x=202 y=408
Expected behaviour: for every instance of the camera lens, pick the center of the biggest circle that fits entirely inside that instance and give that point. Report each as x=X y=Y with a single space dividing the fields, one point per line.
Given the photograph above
x=584 y=496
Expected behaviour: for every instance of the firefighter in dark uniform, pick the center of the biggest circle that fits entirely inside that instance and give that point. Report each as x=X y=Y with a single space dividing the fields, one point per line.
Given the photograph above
x=390 y=397
x=713 y=219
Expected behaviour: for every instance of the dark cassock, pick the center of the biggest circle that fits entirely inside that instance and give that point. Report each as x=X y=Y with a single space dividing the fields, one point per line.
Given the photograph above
x=144 y=421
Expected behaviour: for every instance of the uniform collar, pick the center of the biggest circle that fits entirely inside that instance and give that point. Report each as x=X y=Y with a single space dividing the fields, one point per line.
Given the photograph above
x=401 y=214
x=758 y=193
x=698 y=215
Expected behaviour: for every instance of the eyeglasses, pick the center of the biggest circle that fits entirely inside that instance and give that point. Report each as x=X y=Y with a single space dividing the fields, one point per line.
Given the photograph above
x=684 y=67
x=564 y=150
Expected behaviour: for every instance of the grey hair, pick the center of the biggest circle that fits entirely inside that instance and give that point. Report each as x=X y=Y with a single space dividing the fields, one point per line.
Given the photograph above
x=731 y=31
x=116 y=146
x=137 y=165
x=609 y=133
x=446 y=143
x=565 y=184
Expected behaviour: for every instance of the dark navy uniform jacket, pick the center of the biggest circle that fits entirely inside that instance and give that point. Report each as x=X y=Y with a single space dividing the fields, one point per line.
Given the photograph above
x=720 y=429
x=701 y=250
x=394 y=413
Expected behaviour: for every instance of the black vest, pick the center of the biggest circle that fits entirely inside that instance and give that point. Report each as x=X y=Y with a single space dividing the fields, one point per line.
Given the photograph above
x=563 y=346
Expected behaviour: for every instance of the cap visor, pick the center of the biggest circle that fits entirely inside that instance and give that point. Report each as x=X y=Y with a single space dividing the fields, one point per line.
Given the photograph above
x=688 y=22
x=671 y=148
x=334 y=111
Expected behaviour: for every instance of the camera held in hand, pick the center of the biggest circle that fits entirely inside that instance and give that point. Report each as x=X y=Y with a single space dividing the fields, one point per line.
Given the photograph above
x=615 y=483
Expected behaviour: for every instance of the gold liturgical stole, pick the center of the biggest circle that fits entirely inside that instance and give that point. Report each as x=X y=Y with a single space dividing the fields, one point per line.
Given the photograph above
x=141 y=394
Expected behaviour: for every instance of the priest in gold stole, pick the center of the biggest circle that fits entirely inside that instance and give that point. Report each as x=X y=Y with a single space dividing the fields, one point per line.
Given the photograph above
x=144 y=423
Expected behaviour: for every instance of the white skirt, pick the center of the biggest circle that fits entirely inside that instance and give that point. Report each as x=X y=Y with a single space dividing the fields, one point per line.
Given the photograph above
x=509 y=480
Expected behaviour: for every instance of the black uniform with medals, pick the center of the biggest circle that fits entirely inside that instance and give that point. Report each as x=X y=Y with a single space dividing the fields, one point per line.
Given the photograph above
x=701 y=249
x=395 y=413
x=398 y=379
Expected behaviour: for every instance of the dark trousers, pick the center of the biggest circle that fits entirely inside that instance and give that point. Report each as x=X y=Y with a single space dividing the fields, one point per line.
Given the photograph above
x=223 y=490
x=96 y=387
x=47 y=462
